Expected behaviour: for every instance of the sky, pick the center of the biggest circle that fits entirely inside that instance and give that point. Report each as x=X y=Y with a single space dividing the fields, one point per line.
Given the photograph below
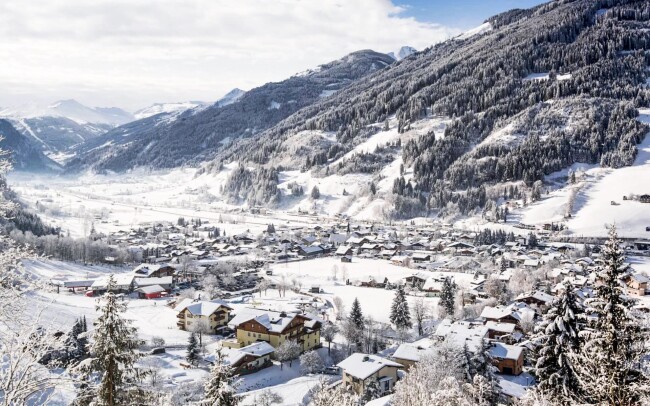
x=132 y=53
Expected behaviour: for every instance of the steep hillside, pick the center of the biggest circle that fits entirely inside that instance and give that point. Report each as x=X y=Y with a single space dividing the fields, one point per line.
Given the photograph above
x=194 y=136
x=25 y=153
x=557 y=84
x=57 y=127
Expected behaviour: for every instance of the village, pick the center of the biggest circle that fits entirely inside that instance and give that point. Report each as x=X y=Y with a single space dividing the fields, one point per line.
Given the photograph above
x=286 y=296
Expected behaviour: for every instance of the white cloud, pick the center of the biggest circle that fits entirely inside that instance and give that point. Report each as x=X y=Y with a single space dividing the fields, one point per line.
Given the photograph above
x=135 y=52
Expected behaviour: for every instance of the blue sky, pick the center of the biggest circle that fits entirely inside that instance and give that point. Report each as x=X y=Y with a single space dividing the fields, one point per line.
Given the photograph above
x=463 y=14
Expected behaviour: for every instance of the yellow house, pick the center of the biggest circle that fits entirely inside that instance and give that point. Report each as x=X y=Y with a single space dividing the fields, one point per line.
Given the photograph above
x=360 y=370
x=275 y=328
x=193 y=315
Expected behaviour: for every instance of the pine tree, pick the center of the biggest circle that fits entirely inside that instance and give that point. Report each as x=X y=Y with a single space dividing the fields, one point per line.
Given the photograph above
x=221 y=388
x=356 y=316
x=113 y=350
x=447 y=296
x=400 y=315
x=481 y=363
x=613 y=347
x=192 y=350
x=559 y=341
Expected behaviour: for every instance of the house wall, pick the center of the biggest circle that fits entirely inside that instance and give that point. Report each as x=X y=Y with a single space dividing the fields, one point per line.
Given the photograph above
x=358 y=386
x=515 y=365
x=216 y=319
x=406 y=362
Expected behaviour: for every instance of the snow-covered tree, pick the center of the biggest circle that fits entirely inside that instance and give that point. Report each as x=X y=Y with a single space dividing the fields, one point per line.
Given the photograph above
x=356 y=315
x=221 y=387
x=192 y=354
x=481 y=364
x=420 y=312
x=355 y=324
x=328 y=332
x=315 y=193
x=268 y=398
x=609 y=367
x=287 y=352
x=311 y=362
x=447 y=296
x=113 y=352
x=559 y=346
x=324 y=395
x=400 y=315
x=371 y=391
x=432 y=381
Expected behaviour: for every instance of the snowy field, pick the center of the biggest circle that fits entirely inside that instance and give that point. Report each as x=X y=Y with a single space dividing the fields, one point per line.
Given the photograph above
x=374 y=302
x=123 y=201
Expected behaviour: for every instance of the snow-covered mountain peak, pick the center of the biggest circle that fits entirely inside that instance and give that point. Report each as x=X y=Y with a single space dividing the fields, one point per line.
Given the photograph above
x=70 y=109
x=402 y=53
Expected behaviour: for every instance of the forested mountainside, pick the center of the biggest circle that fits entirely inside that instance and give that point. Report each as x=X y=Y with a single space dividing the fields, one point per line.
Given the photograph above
x=57 y=134
x=59 y=126
x=24 y=153
x=563 y=80
x=194 y=136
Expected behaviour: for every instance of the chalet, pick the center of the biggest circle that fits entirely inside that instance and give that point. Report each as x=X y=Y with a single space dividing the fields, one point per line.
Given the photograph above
x=213 y=314
x=399 y=260
x=500 y=314
x=249 y=359
x=359 y=370
x=310 y=252
x=637 y=284
x=416 y=279
x=509 y=359
x=644 y=198
x=419 y=257
x=252 y=325
x=498 y=330
x=537 y=298
x=408 y=354
x=387 y=253
x=344 y=250
x=346 y=259
x=153 y=270
x=433 y=287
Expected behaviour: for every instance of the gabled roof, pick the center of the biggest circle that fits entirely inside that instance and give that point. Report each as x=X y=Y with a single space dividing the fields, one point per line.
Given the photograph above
x=362 y=366
x=413 y=351
x=201 y=308
x=505 y=351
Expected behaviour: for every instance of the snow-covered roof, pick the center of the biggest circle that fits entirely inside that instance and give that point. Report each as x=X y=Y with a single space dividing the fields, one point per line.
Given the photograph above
x=121 y=279
x=148 y=269
x=165 y=280
x=462 y=332
x=537 y=295
x=413 y=351
x=151 y=289
x=258 y=349
x=274 y=321
x=362 y=366
x=500 y=327
x=201 y=308
x=343 y=249
x=505 y=351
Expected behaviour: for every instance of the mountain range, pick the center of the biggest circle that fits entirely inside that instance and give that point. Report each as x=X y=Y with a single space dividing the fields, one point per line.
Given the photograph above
x=455 y=128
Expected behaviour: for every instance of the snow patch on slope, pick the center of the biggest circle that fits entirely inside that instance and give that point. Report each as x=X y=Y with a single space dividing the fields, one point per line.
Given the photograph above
x=481 y=29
